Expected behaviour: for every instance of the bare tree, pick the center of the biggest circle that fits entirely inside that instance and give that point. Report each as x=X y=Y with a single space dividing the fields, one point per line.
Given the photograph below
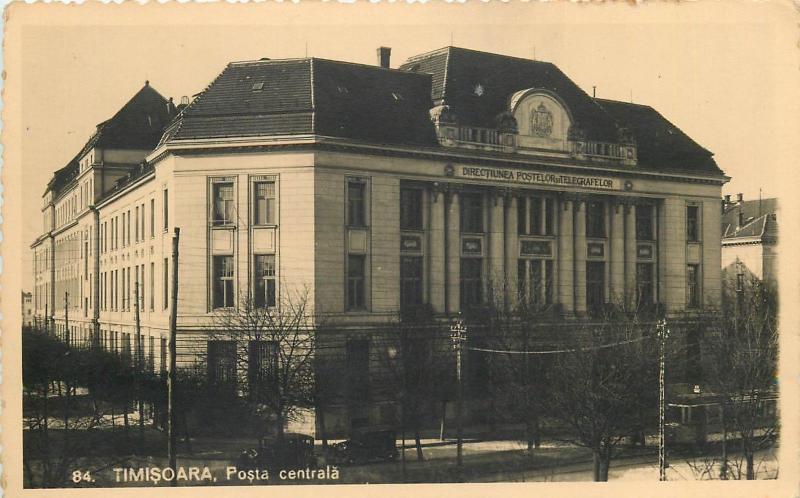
x=740 y=358
x=603 y=383
x=265 y=355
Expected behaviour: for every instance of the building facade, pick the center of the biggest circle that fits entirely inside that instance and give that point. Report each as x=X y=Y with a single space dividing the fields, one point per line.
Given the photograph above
x=460 y=178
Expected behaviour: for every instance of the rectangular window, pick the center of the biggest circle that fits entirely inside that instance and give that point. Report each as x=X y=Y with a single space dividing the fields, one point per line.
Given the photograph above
x=151 y=355
x=410 y=282
x=223 y=281
x=165 y=288
x=141 y=287
x=265 y=281
x=471 y=282
x=128 y=228
x=644 y=284
x=358 y=369
x=142 y=227
x=692 y=223
x=152 y=286
x=136 y=231
x=692 y=286
x=356 y=298
x=262 y=366
x=595 y=284
x=644 y=222
x=472 y=212
x=356 y=203
x=535 y=282
x=595 y=219
x=166 y=209
x=264 y=203
x=223 y=203
x=535 y=215
x=163 y=356
x=222 y=364
x=410 y=209
x=152 y=217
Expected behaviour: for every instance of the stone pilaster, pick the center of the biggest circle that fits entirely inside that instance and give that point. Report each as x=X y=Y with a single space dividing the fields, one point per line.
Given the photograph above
x=580 y=254
x=453 y=261
x=435 y=251
x=630 y=255
x=511 y=249
x=497 y=274
x=617 y=253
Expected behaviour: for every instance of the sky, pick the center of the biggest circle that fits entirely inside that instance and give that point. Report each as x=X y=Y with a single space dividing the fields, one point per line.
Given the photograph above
x=717 y=72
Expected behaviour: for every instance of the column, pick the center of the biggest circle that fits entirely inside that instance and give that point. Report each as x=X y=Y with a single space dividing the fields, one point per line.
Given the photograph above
x=566 y=281
x=511 y=250
x=630 y=255
x=580 y=255
x=617 y=253
x=435 y=251
x=672 y=253
x=497 y=276
x=453 y=220
x=710 y=223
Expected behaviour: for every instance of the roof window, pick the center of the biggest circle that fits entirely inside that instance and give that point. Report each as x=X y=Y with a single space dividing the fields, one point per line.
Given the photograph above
x=258 y=86
x=397 y=96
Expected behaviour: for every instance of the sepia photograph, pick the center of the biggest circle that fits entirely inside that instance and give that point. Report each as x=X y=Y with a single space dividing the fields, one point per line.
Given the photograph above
x=327 y=244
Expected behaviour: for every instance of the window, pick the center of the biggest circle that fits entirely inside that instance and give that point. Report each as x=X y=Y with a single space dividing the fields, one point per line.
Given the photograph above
x=644 y=222
x=471 y=282
x=223 y=203
x=222 y=364
x=535 y=216
x=535 y=282
x=152 y=286
x=358 y=369
x=264 y=203
x=265 y=281
x=595 y=284
x=410 y=209
x=595 y=219
x=223 y=281
x=692 y=223
x=136 y=232
x=166 y=209
x=472 y=212
x=644 y=284
x=165 y=289
x=692 y=286
x=141 y=287
x=356 y=203
x=151 y=354
x=355 y=282
x=128 y=228
x=262 y=365
x=152 y=217
x=163 y=356
x=142 y=227
x=410 y=281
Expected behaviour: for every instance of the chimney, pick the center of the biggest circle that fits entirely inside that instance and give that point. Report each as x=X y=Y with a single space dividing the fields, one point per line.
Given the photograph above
x=384 y=55
x=183 y=104
x=727 y=199
x=740 y=205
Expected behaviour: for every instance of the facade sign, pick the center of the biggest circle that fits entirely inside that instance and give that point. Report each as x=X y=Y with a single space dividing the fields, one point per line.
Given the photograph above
x=471 y=246
x=595 y=249
x=410 y=243
x=522 y=176
x=535 y=248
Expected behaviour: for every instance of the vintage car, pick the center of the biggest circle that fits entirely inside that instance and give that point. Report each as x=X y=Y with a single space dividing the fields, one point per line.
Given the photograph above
x=293 y=450
x=367 y=447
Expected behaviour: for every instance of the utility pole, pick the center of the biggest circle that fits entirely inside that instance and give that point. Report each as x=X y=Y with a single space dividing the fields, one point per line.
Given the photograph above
x=663 y=332
x=171 y=376
x=458 y=333
x=139 y=357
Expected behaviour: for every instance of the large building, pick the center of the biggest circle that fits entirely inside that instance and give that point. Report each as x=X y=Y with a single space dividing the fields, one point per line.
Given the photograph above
x=459 y=176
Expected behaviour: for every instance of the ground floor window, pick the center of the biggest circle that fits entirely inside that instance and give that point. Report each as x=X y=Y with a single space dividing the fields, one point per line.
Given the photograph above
x=262 y=366
x=693 y=286
x=535 y=282
x=356 y=276
x=358 y=370
x=222 y=364
x=595 y=284
x=644 y=284
x=410 y=282
x=471 y=282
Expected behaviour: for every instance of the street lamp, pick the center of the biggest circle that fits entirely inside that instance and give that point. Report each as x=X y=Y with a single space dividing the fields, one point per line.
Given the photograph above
x=663 y=333
x=458 y=334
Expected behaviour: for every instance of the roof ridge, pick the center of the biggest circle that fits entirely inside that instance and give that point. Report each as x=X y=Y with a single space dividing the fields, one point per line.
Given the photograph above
x=450 y=48
x=312 y=95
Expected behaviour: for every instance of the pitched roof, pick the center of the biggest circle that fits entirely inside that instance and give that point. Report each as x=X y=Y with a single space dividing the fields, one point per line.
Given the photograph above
x=659 y=143
x=758 y=218
x=137 y=125
x=310 y=96
x=458 y=72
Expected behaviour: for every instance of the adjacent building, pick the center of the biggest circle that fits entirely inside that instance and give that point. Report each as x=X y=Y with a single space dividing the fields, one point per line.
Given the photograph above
x=750 y=238
x=459 y=177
